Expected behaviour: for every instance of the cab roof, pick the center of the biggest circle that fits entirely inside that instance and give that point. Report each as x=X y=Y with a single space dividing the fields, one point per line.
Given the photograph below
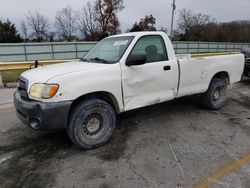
x=139 y=34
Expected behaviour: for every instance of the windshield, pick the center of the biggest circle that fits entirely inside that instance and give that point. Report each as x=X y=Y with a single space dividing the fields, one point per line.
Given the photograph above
x=109 y=50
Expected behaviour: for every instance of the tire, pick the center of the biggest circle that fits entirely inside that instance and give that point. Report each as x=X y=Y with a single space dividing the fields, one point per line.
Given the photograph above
x=91 y=123
x=216 y=95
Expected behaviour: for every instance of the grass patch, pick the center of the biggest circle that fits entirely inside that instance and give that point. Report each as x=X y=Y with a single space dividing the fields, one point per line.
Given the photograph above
x=11 y=76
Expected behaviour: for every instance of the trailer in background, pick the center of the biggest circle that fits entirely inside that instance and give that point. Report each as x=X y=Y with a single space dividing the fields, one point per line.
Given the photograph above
x=246 y=52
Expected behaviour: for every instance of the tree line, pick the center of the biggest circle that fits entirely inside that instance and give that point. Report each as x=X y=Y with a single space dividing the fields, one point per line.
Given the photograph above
x=201 y=27
x=98 y=19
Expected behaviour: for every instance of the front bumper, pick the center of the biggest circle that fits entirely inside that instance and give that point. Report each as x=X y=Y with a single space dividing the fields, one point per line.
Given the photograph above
x=41 y=115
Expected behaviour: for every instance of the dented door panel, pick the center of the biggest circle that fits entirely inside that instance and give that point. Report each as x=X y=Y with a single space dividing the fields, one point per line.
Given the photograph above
x=149 y=84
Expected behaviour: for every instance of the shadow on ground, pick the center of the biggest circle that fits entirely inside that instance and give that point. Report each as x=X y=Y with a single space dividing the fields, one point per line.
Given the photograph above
x=27 y=157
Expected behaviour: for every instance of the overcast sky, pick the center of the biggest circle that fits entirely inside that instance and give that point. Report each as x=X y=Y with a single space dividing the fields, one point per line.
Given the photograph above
x=221 y=10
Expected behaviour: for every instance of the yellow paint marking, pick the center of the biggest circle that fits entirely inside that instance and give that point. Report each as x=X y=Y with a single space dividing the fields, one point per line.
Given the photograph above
x=5 y=66
x=221 y=172
x=212 y=54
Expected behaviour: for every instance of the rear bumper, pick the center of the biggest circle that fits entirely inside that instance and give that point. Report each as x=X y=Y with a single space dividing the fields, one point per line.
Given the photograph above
x=40 y=115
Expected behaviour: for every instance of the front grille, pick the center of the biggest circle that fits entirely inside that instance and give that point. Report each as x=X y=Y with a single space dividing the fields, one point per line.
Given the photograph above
x=22 y=87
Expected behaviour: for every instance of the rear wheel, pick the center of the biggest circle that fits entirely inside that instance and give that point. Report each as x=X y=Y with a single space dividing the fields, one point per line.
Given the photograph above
x=91 y=123
x=216 y=95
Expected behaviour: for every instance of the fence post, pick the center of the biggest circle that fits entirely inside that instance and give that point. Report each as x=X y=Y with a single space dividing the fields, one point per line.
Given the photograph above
x=52 y=51
x=76 y=50
x=1 y=81
x=176 y=48
x=25 y=52
x=241 y=46
x=198 y=46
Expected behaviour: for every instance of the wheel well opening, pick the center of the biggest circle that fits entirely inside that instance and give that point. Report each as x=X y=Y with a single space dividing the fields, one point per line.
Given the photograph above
x=105 y=96
x=223 y=75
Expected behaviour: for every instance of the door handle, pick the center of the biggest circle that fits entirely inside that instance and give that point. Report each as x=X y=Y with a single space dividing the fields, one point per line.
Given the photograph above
x=167 y=68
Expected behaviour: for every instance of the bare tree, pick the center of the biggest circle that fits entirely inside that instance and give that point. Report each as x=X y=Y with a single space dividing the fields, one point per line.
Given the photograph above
x=198 y=30
x=66 y=23
x=185 y=21
x=201 y=27
x=39 y=26
x=24 y=30
x=106 y=15
x=193 y=24
x=99 y=19
x=235 y=31
x=87 y=22
x=51 y=36
x=145 y=24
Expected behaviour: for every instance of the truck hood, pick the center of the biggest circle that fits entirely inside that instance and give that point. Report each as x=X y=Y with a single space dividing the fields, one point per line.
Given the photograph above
x=44 y=74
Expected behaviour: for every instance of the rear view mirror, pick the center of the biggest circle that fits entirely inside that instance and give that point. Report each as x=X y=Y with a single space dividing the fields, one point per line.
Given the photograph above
x=136 y=59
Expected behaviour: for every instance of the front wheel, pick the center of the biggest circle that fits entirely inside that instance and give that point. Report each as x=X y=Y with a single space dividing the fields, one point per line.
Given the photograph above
x=91 y=123
x=216 y=95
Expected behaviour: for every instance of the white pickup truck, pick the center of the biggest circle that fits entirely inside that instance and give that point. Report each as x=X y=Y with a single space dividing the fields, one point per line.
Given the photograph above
x=120 y=73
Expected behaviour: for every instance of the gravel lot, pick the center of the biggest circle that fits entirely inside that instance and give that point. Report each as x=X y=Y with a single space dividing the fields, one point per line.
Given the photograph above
x=175 y=144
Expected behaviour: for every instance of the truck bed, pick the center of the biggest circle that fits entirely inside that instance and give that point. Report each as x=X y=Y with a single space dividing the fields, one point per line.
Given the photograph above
x=197 y=71
x=200 y=55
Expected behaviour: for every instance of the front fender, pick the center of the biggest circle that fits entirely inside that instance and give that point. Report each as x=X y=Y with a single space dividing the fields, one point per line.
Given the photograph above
x=74 y=85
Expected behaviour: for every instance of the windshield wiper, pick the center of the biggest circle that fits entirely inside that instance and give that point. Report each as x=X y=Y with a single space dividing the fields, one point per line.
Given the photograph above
x=99 y=60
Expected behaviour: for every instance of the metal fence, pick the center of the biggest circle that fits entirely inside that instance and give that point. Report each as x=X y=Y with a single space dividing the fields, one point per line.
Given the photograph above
x=207 y=47
x=44 y=51
x=76 y=50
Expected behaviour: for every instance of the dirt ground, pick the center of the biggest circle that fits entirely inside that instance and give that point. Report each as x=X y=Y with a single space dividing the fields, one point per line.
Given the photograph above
x=174 y=144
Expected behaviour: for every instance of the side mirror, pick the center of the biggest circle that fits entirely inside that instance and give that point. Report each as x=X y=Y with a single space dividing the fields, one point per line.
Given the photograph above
x=136 y=59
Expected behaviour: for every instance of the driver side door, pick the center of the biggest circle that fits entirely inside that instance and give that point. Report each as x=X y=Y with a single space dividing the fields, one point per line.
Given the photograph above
x=153 y=82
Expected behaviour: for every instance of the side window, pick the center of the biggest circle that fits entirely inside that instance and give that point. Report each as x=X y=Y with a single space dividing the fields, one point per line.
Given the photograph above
x=153 y=47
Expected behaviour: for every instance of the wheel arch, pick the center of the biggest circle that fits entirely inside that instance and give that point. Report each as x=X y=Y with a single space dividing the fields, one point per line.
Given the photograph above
x=222 y=75
x=105 y=96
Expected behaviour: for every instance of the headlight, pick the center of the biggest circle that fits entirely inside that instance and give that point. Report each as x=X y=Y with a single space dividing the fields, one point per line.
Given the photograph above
x=44 y=91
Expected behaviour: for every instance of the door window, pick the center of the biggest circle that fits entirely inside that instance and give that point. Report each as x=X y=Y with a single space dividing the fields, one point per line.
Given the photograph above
x=153 y=47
